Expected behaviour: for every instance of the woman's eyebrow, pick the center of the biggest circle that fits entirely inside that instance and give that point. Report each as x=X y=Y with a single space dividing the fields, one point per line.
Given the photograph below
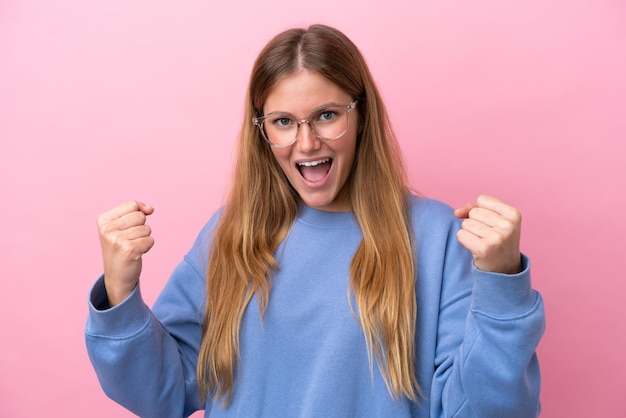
x=283 y=112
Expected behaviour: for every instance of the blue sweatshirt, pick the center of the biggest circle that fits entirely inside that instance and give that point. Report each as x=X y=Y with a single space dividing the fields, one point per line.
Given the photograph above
x=476 y=333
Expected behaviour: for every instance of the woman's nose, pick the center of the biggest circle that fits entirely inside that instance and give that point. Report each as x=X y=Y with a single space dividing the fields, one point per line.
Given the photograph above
x=307 y=141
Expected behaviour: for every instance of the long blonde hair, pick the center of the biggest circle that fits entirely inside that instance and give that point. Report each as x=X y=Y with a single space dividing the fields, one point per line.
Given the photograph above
x=262 y=205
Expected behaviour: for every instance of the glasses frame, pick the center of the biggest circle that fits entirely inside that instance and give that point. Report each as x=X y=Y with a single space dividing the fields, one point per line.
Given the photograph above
x=258 y=121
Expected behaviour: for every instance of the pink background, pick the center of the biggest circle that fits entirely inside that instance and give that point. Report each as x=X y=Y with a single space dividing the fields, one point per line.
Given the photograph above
x=104 y=101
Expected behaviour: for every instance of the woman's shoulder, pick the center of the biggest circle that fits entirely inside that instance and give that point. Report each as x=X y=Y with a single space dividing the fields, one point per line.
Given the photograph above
x=429 y=209
x=432 y=219
x=209 y=227
x=202 y=243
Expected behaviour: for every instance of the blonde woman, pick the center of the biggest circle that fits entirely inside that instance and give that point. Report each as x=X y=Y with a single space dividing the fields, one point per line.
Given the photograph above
x=324 y=287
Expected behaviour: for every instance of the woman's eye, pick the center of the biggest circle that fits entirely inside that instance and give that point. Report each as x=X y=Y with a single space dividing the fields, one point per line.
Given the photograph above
x=326 y=115
x=282 y=122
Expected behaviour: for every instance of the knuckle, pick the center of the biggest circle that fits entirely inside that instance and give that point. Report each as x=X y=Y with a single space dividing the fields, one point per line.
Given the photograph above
x=481 y=251
x=496 y=241
x=487 y=245
x=133 y=205
x=508 y=226
x=129 y=251
x=105 y=228
x=116 y=240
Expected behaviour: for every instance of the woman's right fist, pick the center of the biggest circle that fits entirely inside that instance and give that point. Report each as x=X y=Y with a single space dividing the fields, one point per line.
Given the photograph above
x=124 y=238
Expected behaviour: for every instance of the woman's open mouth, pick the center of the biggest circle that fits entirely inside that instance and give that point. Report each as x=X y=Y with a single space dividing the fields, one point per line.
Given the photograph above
x=314 y=171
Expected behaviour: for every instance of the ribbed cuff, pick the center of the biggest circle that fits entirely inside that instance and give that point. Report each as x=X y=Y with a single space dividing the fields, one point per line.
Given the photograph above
x=503 y=295
x=119 y=321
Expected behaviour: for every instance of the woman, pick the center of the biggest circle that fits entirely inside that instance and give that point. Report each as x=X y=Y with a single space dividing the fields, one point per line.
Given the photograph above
x=323 y=287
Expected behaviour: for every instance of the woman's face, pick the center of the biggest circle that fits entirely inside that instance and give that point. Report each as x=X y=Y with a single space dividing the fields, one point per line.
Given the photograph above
x=316 y=168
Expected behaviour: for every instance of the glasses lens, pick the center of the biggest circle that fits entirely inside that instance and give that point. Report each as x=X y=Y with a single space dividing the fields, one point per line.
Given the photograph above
x=330 y=122
x=280 y=129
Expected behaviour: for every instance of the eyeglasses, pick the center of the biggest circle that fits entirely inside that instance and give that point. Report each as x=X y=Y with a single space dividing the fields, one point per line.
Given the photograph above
x=328 y=122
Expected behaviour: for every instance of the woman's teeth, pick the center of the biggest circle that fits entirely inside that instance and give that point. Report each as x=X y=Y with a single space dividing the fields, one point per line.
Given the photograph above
x=313 y=163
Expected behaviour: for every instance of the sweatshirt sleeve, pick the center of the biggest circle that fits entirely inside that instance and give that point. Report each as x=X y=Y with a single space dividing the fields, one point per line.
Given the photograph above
x=495 y=371
x=489 y=327
x=146 y=359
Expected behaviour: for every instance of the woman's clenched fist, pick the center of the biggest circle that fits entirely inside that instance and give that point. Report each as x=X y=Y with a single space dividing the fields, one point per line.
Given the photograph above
x=124 y=238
